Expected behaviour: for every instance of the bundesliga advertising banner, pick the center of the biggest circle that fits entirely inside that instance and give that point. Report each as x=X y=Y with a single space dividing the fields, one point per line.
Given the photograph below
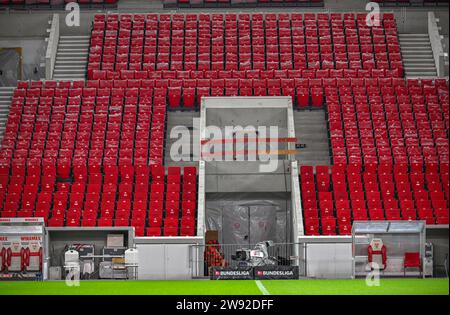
x=257 y=273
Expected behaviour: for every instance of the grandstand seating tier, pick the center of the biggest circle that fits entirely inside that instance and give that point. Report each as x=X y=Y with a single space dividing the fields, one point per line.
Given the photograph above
x=91 y=153
x=232 y=42
x=390 y=154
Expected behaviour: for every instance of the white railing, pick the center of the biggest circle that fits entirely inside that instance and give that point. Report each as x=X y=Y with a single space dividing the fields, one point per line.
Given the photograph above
x=52 y=47
x=297 y=213
x=201 y=212
x=436 y=44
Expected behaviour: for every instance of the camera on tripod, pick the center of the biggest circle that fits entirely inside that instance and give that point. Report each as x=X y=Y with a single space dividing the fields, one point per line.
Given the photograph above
x=241 y=255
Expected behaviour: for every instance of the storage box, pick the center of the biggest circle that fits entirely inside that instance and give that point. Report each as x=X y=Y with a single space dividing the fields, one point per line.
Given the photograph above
x=118 y=260
x=114 y=240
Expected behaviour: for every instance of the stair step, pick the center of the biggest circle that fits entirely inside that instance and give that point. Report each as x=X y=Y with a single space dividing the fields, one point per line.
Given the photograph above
x=71 y=53
x=408 y=65
x=74 y=63
x=414 y=40
x=414 y=59
x=420 y=46
x=70 y=61
x=68 y=77
x=73 y=45
x=416 y=53
x=77 y=69
x=416 y=47
x=420 y=70
x=72 y=78
x=412 y=35
x=421 y=74
x=74 y=40
x=78 y=63
x=419 y=67
x=78 y=58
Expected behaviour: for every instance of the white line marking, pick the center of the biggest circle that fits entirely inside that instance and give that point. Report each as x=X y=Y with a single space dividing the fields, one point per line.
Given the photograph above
x=261 y=287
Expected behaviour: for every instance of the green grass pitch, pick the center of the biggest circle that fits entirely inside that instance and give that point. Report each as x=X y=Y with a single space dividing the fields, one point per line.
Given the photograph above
x=243 y=287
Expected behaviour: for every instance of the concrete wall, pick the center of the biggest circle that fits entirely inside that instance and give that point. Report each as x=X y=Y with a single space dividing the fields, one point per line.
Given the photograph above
x=23 y=24
x=34 y=23
x=28 y=31
x=329 y=261
x=164 y=262
x=331 y=256
x=86 y=18
x=33 y=52
x=167 y=258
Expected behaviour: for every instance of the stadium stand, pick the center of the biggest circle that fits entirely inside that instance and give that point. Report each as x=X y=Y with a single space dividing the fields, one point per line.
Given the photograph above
x=70 y=150
x=332 y=201
x=81 y=150
x=217 y=42
x=186 y=88
x=396 y=121
x=386 y=167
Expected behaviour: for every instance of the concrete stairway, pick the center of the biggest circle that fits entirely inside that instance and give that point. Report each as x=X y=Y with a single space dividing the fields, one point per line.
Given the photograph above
x=5 y=101
x=311 y=130
x=71 y=58
x=417 y=55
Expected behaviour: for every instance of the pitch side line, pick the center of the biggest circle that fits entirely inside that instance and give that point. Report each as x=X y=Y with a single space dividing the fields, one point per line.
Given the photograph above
x=262 y=288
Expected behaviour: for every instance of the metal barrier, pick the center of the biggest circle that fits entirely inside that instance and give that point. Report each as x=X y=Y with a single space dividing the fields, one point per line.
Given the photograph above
x=203 y=257
x=52 y=47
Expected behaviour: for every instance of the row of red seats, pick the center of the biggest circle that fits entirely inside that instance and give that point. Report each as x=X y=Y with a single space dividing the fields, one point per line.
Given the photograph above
x=247 y=74
x=244 y=42
x=401 y=124
x=297 y=19
x=146 y=198
x=189 y=79
x=239 y=3
x=59 y=125
x=383 y=192
x=55 y=2
x=188 y=92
